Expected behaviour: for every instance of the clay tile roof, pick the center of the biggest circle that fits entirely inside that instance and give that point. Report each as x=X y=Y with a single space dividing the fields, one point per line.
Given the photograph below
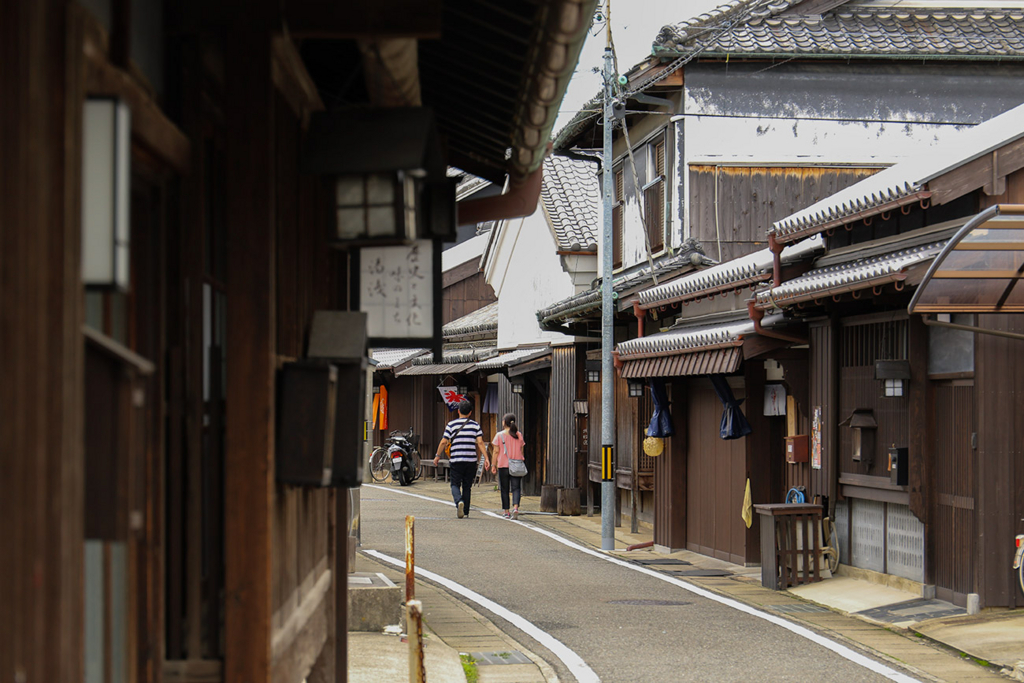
x=481 y=321
x=756 y=27
x=571 y=199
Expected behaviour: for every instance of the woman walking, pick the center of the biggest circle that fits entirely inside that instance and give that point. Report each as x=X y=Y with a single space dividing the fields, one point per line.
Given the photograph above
x=509 y=444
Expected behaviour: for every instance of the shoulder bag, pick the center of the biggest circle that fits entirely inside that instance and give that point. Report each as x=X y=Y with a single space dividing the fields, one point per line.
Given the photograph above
x=516 y=468
x=448 y=447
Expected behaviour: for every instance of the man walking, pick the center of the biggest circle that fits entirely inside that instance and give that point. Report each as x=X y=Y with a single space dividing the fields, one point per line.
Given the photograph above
x=466 y=439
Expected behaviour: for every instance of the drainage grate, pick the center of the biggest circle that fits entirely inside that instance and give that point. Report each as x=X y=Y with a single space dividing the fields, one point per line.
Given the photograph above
x=655 y=560
x=648 y=603
x=500 y=657
x=799 y=608
x=918 y=609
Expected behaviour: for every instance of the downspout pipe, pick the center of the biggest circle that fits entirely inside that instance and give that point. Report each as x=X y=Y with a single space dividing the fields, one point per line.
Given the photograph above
x=776 y=249
x=756 y=315
x=519 y=201
x=640 y=315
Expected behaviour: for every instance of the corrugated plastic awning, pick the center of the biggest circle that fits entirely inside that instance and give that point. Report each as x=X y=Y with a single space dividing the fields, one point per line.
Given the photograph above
x=710 y=362
x=979 y=269
x=437 y=369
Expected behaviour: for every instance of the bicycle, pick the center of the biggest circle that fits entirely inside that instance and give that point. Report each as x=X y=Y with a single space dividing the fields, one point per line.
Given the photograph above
x=380 y=458
x=380 y=465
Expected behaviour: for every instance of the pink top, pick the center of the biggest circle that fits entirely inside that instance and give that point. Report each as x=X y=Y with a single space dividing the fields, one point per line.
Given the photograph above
x=513 y=446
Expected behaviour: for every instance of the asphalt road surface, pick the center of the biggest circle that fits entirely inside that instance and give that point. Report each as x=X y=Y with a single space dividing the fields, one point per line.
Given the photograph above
x=624 y=624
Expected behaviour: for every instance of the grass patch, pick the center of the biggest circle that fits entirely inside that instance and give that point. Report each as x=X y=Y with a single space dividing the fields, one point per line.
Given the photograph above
x=469 y=668
x=504 y=655
x=976 y=660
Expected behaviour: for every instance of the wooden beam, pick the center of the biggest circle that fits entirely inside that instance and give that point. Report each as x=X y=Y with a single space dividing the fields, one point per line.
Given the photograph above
x=293 y=80
x=326 y=18
x=378 y=19
x=988 y=172
x=150 y=127
x=249 y=440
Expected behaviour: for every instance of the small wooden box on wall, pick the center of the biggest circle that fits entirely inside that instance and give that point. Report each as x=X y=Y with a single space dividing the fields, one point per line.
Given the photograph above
x=319 y=436
x=796 y=448
x=321 y=405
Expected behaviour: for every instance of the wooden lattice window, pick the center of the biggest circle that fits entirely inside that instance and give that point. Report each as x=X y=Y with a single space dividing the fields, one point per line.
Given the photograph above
x=617 y=220
x=654 y=196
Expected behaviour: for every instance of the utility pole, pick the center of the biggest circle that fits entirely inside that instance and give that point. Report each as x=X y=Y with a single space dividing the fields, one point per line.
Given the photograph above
x=607 y=311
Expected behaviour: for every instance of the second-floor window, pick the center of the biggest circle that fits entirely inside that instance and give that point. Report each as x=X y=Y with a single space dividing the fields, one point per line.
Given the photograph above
x=617 y=219
x=654 y=195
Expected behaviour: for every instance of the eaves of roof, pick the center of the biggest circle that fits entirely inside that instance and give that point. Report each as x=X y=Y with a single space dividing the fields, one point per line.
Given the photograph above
x=690 y=255
x=688 y=336
x=855 y=275
x=745 y=271
x=483 y=321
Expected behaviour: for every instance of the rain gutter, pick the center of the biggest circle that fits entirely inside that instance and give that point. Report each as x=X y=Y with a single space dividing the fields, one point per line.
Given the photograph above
x=757 y=315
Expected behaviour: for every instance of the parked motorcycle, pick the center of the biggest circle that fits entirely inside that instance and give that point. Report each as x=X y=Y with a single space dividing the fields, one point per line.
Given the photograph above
x=399 y=457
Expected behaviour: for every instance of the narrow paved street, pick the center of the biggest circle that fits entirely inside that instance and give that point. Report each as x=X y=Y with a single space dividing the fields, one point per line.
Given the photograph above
x=625 y=624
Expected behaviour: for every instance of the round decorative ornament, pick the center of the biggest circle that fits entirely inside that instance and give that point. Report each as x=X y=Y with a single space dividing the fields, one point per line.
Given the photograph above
x=654 y=446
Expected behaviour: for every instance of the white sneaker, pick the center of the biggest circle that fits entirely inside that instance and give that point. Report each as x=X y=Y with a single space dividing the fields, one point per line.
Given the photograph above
x=515 y=514
x=462 y=510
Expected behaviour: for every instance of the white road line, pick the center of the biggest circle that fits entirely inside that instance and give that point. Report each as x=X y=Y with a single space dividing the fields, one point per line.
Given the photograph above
x=801 y=631
x=575 y=664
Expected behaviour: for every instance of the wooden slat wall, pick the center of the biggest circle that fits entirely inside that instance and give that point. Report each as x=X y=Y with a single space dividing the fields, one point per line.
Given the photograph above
x=627 y=431
x=861 y=344
x=670 y=477
x=822 y=377
x=465 y=296
x=305 y=282
x=716 y=473
x=562 y=449
x=751 y=198
x=954 y=530
x=594 y=429
x=999 y=391
x=41 y=433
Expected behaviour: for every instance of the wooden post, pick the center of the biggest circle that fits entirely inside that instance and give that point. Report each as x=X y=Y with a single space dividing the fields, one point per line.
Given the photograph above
x=414 y=629
x=249 y=456
x=41 y=314
x=410 y=558
x=341 y=586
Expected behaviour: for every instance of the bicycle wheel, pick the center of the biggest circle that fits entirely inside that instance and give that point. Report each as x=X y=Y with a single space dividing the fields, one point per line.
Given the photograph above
x=417 y=465
x=380 y=465
x=833 y=546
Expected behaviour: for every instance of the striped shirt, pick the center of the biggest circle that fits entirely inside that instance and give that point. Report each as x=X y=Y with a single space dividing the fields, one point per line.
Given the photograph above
x=462 y=434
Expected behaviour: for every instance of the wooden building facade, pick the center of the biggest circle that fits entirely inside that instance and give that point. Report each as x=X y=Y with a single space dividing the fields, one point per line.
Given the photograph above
x=147 y=534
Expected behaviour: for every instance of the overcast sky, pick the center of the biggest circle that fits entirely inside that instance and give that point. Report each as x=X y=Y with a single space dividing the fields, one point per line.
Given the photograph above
x=635 y=24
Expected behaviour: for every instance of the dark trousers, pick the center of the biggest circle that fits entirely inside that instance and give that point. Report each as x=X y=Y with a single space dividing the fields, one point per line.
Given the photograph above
x=462 y=475
x=505 y=482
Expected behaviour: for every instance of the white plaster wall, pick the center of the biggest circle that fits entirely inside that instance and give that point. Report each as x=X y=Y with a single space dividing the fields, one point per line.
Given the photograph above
x=526 y=273
x=720 y=139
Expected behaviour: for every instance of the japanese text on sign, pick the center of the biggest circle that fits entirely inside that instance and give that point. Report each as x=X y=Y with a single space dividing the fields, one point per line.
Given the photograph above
x=396 y=290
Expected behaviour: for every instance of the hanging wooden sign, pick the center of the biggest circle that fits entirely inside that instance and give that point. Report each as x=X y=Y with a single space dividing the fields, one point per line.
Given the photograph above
x=399 y=289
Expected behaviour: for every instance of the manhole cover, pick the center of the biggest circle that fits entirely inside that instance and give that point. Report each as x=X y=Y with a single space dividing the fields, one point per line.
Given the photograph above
x=500 y=657
x=798 y=608
x=648 y=603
